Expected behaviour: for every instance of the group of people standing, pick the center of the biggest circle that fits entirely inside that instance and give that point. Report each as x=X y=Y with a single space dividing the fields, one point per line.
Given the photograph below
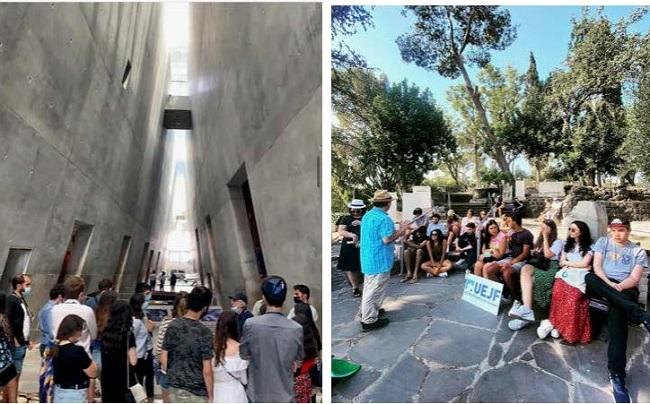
x=262 y=358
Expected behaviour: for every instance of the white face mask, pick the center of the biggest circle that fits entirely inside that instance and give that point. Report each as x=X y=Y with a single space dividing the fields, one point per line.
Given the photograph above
x=236 y=309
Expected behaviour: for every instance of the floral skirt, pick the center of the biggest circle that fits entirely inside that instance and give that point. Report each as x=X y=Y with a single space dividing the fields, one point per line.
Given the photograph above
x=302 y=388
x=570 y=313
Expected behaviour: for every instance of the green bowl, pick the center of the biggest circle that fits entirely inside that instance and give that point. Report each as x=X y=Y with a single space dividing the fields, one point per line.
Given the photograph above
x=342 y=368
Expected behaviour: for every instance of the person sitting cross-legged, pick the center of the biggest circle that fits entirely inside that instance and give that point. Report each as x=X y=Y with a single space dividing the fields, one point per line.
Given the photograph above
x=537 y=276
x=618 y=265
x=436 y=262
x=466 y=246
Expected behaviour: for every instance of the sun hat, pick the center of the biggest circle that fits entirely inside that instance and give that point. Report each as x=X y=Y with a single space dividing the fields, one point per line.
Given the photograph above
x=381 y=196
x=356 y=204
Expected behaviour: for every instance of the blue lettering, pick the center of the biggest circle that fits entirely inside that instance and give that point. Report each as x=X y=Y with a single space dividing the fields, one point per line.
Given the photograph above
x=477 y=288
x=483 y=290
x=497 y=295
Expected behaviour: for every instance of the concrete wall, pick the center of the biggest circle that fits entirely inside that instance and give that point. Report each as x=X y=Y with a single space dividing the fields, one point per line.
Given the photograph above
x=75 y=144
x=255 y=90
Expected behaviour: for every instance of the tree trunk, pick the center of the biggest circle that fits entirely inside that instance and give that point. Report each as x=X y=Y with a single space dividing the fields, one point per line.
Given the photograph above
x=539 y=166
x=477 y=163
x=496 y=153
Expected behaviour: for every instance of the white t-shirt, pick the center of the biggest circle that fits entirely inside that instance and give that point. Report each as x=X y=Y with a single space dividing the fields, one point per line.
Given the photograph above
x=72 y=306
x=314 y=313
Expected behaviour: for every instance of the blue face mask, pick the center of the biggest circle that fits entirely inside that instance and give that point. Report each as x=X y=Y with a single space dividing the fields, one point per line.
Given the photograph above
x=147 y=297
x=27 y=292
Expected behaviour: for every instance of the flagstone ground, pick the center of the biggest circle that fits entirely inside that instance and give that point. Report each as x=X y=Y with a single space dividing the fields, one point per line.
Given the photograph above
x=440 y=348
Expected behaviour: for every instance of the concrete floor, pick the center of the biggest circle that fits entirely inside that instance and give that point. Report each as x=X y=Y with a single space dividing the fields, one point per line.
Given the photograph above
x=439 y=348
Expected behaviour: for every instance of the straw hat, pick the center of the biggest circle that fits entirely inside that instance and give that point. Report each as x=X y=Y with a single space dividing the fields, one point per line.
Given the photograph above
x=381 y=196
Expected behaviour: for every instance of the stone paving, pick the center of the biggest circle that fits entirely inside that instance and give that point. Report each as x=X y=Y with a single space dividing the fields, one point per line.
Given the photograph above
x=439 y=348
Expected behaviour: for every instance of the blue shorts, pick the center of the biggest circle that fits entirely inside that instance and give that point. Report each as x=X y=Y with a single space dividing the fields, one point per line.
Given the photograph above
x=18 y=354
x=161 y=378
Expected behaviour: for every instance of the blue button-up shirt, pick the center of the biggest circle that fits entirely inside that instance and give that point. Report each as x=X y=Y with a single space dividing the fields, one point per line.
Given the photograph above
x=45 y=324
x=376 y=257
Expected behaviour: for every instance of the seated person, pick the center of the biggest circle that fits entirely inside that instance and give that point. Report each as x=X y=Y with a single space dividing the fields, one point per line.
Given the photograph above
x=494 y=248
x=419 y=219
x=436 y=224
x=618 y=265
x=436 y=262
x=416 y=244
x=542 y=277
x=520 y=242
x=466 y=248
x=517 y=206
x=453 y=226
x=569 y=314
x=470 y=218
x=498 y=206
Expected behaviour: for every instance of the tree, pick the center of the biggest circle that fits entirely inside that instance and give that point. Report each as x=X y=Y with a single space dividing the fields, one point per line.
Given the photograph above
x=587 y=98
x=346 y=21
x=448 y=39
x=635 y=147
x=501 y=94
x=537 y=136
x=396 y=131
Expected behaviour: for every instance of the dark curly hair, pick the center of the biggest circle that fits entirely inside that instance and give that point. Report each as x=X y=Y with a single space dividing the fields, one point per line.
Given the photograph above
x=227 y=327
x=118 y=327
x=584 y=241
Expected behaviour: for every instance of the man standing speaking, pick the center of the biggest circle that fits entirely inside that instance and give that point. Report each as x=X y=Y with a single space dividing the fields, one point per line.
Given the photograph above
x=377 y=236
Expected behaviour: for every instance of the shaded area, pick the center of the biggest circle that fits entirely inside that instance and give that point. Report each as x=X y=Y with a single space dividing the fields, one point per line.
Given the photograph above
x=439 y=348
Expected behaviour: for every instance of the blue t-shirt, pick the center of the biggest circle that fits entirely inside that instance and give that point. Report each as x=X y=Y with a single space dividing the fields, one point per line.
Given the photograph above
x=619 y=261
x=376 y=257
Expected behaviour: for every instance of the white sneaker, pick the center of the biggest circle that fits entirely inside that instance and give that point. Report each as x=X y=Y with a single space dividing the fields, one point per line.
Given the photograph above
x=523 y=313
x=515 y=308
x=555 y=333
x=517 y=324
x=443 y=275
x=545 y=327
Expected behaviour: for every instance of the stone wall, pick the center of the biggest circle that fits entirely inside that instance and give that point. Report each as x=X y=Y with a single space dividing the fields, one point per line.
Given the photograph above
x=76 y=144
x=632 y=203
x=255 y=90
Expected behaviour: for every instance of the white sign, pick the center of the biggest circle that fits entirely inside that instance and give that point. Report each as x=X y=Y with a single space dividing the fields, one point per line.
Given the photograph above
x=551 y=188
x=520 y=189
x=483 y=293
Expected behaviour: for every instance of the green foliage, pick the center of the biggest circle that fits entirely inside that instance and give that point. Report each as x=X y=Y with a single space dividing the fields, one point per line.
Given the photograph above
x=346 y=21
x=388 y=135
x=587 y=98
x=444 y=38
x=494 y=175
x=448 y=39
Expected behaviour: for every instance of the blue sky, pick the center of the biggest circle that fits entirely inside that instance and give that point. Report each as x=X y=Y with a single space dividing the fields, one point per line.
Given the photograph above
x=544 y=30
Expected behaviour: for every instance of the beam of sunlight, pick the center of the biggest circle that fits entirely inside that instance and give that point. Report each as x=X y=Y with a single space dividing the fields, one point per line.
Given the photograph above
x=176 y=28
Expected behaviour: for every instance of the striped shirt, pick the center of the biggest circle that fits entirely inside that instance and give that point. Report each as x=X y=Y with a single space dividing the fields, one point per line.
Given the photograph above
x=161 y=336
x=376 y=257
